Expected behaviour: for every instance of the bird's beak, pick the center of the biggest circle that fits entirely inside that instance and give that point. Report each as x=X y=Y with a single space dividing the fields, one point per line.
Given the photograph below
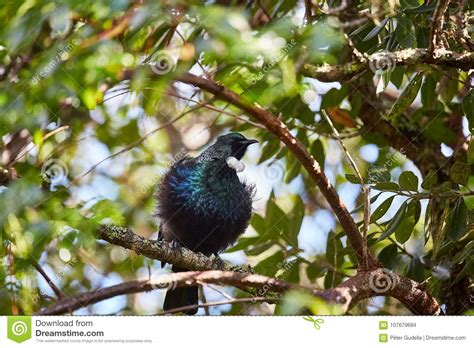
x=251 y=141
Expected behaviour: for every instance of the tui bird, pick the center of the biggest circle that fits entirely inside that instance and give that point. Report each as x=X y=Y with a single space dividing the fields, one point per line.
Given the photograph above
x=203 y=205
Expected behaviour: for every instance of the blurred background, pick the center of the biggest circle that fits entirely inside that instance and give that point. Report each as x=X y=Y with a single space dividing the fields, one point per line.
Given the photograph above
x=92 y=117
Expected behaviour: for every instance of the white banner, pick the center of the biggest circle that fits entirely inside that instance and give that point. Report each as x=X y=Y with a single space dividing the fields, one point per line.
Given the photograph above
x=177 y=331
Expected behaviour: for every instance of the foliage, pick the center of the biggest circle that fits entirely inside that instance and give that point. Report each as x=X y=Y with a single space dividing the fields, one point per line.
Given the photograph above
x=84 y=81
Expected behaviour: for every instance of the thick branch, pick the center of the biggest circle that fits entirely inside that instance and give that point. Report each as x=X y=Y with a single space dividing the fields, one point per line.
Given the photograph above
x=361 y=286
x=158 y=250
x=385 y=59
x=278 y=128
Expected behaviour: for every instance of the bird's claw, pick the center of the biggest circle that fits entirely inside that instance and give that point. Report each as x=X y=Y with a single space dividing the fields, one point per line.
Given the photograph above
x=175 y=245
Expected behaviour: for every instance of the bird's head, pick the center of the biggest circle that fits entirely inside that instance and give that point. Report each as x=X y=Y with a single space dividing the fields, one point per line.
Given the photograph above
x=228 y=145
x=234 y=144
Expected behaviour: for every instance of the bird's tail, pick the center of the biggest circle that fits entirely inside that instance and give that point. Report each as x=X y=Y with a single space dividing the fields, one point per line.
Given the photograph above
x=181 y=297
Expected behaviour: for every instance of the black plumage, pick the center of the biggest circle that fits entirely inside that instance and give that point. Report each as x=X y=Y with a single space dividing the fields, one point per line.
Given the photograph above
x=204 y=206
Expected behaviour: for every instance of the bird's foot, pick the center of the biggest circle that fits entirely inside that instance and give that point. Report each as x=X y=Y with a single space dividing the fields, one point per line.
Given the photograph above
x=218 y=261
x=175 y=245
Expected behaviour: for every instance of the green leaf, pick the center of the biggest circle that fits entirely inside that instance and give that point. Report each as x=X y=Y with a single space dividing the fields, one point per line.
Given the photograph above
x=406 y=98
x=405 y=229
x=460 y=172
x=405 y=31
x=469 y=201
x=377 y=29
x=415 y=270
x=395 y=222
x=428 y=92
x=397 y=76
x=409 y=4
x=381 y=209
x=269 y=150
x=243 y=243
x=89 y=98
x=276 y=222
x=388 y=255
x=470 y=152
x=107 y=212
x=430 y=180
x=296 y=219
x=334 y=254
x=387 y=186
x=353 y=179
x=408 y=181
x=293 y=169
x=259 y=248
x=258 y=223
x=457 y=222
x=270 y=265
x=377 y=175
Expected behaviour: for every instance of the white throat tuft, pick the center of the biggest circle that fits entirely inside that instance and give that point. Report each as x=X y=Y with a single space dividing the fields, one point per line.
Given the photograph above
x=235 y=164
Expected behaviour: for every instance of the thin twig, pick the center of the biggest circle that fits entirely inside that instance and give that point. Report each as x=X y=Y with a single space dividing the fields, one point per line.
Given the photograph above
x=202 y=297
x=222 y=111
x=364 y=186
x=51 y=284
x=125 y=149
x=223 y=293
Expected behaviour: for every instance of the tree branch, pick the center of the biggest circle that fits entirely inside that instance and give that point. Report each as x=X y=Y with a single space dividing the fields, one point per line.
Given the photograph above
x=361 y=286
x=51 y=284
x=279 y=129
x=461 y=33
x=436 y=40
x=411 y=56
x=159 y=250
